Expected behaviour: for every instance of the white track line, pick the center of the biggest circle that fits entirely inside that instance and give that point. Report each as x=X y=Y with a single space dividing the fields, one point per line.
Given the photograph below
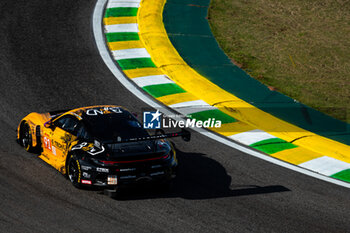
x=252 y=136
x=152 y=80
x=189 y=107
x=191 y=110
x=130 y=53
x=127 y=27
x=123 y=4
x=100 y=42
x=325 y=165
x=197 y=103
x=119 y=1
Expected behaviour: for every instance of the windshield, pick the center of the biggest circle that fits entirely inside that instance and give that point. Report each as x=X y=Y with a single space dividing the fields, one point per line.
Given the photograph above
x=114 y=126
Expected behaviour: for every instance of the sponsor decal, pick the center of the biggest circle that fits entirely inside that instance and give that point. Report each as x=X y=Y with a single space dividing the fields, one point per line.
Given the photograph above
x=58 y=145
x=95 y=151
x=85 y=168
x=54 y=150
x=84 y=146
x=66 y=139
x=101 y=111
x=86 y=175
x=101 y=169
x=47 y=142
x=79 y=176
x=86 y=181
x=79 y=146
x=89 y=148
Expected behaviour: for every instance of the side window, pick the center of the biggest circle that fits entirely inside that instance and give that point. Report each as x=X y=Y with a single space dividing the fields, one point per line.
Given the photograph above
x=81 y=132
x=60 y=122
x=67 y=123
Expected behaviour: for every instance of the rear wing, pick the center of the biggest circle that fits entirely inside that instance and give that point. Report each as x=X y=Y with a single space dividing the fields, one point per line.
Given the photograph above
x=184 y=134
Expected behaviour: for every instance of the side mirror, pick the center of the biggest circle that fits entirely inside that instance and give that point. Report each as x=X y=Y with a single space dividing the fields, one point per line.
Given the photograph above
x=49 y=124
x=186 y=135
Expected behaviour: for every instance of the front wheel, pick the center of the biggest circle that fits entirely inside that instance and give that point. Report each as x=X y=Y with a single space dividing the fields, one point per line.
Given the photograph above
x=74 y=171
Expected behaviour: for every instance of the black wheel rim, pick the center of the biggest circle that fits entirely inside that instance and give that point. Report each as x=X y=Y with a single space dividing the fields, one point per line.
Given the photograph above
x=73 y=172
x=26 y=136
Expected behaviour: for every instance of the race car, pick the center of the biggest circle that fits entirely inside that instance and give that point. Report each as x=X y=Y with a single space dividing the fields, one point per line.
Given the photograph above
x=103 y=146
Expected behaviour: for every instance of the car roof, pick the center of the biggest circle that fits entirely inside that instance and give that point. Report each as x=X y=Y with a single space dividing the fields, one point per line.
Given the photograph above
x=89 y=111
x=97 y=109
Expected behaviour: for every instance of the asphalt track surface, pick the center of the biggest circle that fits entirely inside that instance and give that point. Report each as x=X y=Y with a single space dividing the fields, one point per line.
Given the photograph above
x=49 y=61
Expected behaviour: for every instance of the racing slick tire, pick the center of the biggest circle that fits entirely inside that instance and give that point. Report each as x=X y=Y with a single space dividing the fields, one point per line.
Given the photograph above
x=74 y=171
x=25 y=138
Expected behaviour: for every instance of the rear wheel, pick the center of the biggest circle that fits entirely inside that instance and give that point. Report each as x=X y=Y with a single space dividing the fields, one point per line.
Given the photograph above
x=74 y=171
x=26 y=137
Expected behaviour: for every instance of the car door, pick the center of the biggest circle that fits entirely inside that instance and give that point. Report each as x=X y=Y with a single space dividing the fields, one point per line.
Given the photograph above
x=56 y=141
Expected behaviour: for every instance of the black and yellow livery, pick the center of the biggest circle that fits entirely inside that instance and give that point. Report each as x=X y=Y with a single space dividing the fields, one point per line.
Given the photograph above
x=102 y=146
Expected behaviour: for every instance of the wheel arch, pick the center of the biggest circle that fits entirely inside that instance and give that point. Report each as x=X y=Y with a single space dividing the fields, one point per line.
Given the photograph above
x=69 y=154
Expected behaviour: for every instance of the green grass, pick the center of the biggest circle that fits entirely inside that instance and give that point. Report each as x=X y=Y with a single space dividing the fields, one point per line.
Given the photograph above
x=300 y=48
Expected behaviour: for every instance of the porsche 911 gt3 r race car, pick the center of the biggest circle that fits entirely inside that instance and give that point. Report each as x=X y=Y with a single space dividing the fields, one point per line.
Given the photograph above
x=102 y=146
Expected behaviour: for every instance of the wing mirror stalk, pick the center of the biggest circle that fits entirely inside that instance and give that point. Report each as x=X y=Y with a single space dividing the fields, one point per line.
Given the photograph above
x=49 y=124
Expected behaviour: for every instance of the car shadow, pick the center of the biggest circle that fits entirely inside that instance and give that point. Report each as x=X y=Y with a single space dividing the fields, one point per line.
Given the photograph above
x=198 y=177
